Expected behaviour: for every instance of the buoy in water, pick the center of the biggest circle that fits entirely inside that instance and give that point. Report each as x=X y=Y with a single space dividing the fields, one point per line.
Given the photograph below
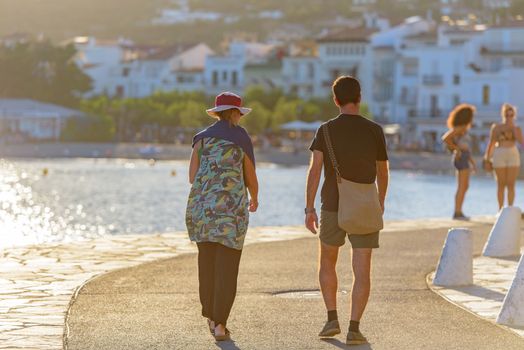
x=173 y=172
x=45 y=171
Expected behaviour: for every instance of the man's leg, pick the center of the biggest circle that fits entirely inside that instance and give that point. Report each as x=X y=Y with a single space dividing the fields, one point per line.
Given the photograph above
x=327 y=275
x=332 y=238
x=361 y=262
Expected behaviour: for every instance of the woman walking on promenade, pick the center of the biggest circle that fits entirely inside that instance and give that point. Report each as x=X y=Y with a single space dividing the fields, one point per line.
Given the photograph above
x=221 y=171
x=458 y=141
x=503 y=155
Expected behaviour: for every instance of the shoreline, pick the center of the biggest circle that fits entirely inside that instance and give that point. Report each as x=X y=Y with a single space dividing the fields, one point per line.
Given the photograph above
x=439 y=163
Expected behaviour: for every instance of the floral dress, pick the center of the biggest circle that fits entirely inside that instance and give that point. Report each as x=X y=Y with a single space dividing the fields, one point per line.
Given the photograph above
x=217 y=208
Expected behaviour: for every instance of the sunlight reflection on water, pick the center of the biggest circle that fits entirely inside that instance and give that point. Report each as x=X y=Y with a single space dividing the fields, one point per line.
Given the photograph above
x=85 y=198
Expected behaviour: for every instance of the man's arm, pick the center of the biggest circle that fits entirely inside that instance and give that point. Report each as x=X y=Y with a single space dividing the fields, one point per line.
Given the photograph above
x=313 y=181
x=382 y=181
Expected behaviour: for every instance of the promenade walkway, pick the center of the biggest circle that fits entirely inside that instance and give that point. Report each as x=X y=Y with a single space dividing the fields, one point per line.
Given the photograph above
x=155 y=305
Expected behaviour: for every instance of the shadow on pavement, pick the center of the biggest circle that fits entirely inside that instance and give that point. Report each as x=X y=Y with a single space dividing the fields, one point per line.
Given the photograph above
x=337 y=343
x=481 y=292
x=227 y=345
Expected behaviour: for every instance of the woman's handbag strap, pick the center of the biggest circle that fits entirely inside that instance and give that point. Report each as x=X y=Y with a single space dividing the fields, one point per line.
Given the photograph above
x=331 y=151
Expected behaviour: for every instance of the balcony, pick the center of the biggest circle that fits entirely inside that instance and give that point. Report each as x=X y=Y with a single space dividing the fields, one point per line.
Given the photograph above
x=427 y=114
x=408 y=100
x=433 y=80
x=381 y=97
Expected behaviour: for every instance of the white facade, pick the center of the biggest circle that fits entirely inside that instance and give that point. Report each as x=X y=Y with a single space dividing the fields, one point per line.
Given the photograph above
x=224 y=73
x=125 y=70
x=346 y=52
x=480 y=66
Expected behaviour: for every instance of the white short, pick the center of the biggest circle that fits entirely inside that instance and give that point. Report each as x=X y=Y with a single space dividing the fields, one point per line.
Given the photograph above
x=506 y=157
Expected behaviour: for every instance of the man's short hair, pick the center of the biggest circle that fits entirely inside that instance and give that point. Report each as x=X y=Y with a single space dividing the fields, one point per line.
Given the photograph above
x=346 y=89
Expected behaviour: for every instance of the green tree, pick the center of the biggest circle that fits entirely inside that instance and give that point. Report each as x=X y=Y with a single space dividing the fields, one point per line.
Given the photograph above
x=268 y=98
x=257 y=121
x=285 y=111
x=193 y=115
x=92 y=128
x=42 y=72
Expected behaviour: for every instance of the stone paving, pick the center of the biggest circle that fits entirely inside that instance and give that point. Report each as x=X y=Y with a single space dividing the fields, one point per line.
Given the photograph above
x=37 y=283
x=492 y=278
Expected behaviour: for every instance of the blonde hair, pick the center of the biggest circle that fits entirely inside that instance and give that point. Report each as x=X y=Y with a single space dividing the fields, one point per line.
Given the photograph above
x=227 y=115
x=505 y=108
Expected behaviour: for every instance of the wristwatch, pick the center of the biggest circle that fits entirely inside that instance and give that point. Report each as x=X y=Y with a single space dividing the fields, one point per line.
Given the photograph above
x=309 y=210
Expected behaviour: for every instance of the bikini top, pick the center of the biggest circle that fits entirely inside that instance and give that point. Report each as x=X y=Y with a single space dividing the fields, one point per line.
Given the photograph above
x=463 y=141
x=507 y=135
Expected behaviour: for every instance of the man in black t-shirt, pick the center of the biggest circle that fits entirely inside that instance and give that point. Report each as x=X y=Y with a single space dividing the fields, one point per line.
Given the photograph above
x=360 y=149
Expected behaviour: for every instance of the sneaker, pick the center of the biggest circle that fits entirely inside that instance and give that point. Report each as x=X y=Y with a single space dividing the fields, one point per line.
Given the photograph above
x=331 y=328
x=460 y=216
x=355 y=338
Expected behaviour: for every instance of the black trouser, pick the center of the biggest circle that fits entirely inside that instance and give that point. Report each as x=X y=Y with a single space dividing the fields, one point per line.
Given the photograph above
x=217 y=275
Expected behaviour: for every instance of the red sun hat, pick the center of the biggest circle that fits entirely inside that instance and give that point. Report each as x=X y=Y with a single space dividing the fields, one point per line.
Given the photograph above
x=228 y=100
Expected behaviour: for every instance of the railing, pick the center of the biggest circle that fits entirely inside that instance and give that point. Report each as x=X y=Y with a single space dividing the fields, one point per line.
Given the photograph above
x=408 y=100
x=381 y=97
x=430 y=113
x=433 y=80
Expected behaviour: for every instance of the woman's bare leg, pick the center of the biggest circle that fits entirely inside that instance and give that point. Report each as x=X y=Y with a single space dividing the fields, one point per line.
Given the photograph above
x=511 y=178
x=462 y=188
x=501 y=175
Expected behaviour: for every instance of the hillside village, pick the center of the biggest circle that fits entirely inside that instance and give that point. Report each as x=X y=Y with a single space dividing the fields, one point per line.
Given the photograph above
x=413 y=70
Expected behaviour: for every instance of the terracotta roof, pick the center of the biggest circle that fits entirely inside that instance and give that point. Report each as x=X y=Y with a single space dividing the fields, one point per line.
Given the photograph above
x=423 y=36
x=360 y=34
x=165 y=53
x=510 y=24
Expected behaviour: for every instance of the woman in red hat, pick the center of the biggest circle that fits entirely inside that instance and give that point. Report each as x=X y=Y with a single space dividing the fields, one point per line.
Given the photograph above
x=222 y=172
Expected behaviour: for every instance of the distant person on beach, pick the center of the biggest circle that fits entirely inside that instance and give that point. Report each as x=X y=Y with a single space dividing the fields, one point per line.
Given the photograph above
x=459 y=142
x=503 y=155
x=352 y=149
x=222 y=172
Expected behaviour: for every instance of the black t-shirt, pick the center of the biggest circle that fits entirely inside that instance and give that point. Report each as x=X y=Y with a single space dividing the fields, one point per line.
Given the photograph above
x=358 y=143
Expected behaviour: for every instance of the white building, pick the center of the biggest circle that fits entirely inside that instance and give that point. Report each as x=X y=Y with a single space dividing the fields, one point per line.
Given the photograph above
x=124 y=69
x=497 y=4
x=310 y=72
x=438 y=70
x=33 y=120
x=387 y=62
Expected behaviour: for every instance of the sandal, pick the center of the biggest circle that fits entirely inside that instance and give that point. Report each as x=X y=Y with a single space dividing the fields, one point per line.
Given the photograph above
x=225 y=337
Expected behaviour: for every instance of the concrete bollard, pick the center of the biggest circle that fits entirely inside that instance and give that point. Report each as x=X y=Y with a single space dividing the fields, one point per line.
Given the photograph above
x=455 y=267
x=512 y=311
x=504 y=239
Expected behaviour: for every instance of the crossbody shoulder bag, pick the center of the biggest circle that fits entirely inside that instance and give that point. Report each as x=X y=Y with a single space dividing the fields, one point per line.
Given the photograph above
x=359 y=210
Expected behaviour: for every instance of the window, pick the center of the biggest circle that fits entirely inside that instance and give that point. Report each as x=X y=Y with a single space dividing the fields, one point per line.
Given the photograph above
x=311 y=70
x=125 y=72
x=295 y=70
x=456 y=100
x=215 y=78
x=119 y=91
x=434 y=111
x=485 y=95
x=456 y=79
x=234 y=78
x=224 y=75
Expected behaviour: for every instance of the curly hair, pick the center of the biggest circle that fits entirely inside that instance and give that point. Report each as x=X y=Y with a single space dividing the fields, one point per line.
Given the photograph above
x=461 y=115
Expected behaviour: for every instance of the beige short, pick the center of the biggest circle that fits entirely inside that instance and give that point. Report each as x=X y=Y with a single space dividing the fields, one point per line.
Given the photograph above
x=506 y=157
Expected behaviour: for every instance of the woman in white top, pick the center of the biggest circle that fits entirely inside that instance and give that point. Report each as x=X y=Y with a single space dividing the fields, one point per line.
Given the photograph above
x=503 y=155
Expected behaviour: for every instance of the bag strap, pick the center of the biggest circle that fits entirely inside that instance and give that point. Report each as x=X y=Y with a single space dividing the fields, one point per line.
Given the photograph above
x=331 y=152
